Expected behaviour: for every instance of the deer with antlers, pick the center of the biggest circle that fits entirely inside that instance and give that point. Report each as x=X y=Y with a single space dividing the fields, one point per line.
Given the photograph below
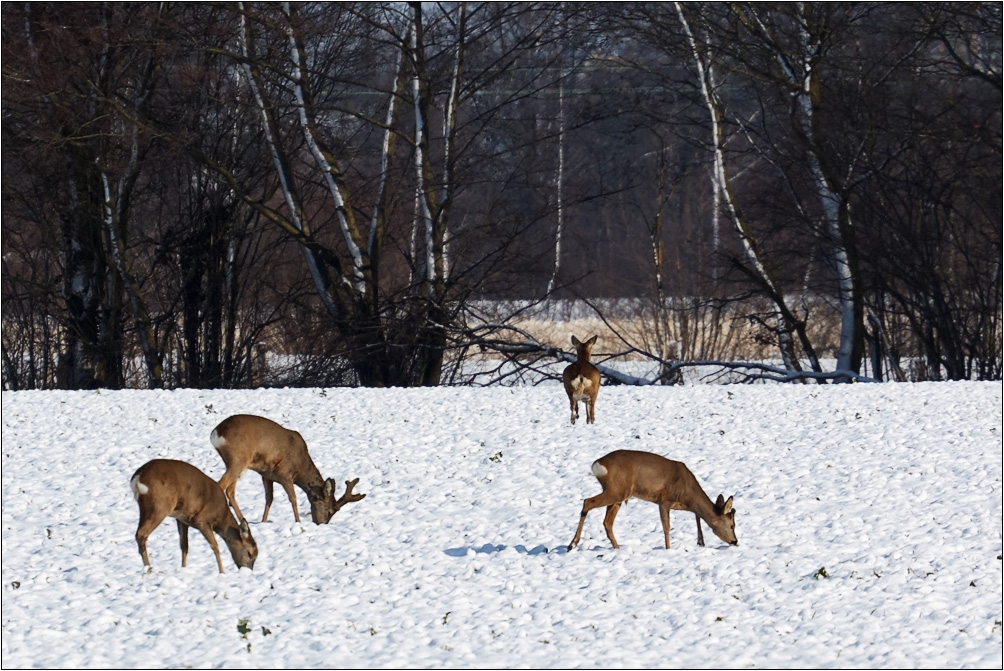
x=278 y=455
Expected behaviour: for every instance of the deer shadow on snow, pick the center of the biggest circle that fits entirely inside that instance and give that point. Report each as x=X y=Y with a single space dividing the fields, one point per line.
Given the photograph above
x=488 y=548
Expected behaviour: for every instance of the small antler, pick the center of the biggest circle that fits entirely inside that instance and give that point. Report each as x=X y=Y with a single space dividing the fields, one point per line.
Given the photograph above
x=348 y=496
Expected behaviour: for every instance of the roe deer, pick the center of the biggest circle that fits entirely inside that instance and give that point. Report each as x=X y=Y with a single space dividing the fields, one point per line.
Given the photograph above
x=279 y=455
x=582 y=380
x=169 y=488
x=650 y=477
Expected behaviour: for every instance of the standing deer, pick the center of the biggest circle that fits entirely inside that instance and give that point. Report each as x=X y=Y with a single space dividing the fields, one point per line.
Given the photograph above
x=650 y=477
x=582 y=380
x=169 y=488
x=279 y=455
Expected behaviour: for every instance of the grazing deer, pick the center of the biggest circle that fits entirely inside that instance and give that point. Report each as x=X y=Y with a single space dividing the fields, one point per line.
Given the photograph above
x=279 y=455
x=650 y=477
x=169 y=488
x=582 y=380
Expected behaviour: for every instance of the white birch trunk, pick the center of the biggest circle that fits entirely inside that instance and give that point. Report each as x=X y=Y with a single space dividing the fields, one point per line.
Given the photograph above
x=450 y=130
x=309 y=126
x=705 y=76
x=830 y=199
x=285 y=180
x=716 y=202
x=561 y=185
x=720 y=178
x=115 y=215
x=385 y=151
x=423 y=204
x=140 y=314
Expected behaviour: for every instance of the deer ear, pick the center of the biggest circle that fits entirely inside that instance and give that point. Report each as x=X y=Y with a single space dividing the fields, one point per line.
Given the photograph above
x=591 y=341
x=245 y=529
x=575 y=341
x=329 y=487
x=720 y=502
x=728 y=505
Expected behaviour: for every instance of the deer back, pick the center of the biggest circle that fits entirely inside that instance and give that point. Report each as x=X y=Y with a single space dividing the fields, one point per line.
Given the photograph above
x=645 y=475
x=258 y=443
x=181 y=490
x=582 y=377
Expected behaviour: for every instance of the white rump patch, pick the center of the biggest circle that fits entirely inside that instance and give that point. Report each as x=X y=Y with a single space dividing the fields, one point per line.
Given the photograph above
x=138 y=488
x=217 y=440
x=580 y=389
x=599 y=470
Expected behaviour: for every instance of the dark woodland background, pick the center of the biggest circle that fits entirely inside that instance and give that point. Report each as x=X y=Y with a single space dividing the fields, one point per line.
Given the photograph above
x=246 y=194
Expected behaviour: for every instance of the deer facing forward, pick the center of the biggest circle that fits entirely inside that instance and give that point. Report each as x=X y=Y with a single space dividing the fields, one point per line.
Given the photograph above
x=650 y=477
x=582 y=380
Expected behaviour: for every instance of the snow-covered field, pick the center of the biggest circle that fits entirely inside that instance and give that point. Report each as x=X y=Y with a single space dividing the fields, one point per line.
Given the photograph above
x=869 y=523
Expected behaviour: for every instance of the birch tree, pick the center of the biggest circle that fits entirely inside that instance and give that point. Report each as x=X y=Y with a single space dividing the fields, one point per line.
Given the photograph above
x=345 y=284
x=393 y=331
x=92 y=79
x=761 y=272
x=118 y=191
x=798 y=43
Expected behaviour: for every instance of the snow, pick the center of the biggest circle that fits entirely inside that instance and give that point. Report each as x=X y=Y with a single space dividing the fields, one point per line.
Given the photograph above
x=869 y=520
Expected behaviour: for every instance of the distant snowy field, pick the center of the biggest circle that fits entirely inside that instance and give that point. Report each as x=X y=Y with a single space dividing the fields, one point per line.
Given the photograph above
x=869 y=521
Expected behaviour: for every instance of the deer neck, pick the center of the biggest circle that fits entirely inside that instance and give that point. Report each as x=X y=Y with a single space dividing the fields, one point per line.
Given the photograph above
x=225 y=525
x=310 y=479
x=703 y=507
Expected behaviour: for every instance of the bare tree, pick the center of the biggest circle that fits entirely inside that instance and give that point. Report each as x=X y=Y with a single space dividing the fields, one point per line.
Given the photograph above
x=255 y=193
x=395 y=329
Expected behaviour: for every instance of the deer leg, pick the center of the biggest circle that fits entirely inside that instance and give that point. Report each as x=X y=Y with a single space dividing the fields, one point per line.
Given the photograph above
x=664 y=515
x=597 y=501
x=149 y=520
x=575 y=408
x=578 y=531
x=183 y=538
x=608 y=522
x=211 y=538
x=229 y=485
x=268 y=496
x=700 y=534
x=591 y=410
x=288 y=486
